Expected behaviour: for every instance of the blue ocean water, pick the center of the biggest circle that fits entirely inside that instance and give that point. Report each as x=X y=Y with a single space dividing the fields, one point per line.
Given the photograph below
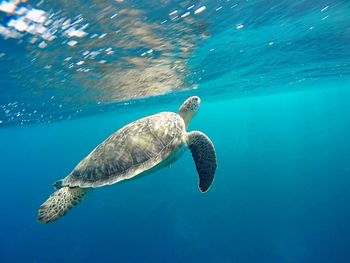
x=274 y=81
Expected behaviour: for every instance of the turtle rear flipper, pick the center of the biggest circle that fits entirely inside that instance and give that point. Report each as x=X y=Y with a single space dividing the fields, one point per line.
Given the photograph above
x=204 y=156
x=60 y=202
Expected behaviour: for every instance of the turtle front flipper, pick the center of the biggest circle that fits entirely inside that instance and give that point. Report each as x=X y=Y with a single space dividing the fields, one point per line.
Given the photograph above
x=203 y=153
x=60 y=202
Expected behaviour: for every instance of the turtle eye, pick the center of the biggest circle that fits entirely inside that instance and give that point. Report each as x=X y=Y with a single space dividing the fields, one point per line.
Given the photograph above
x=195 y=103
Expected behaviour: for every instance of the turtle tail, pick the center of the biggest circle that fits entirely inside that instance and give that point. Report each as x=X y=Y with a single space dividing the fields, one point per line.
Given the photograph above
x=60 y=202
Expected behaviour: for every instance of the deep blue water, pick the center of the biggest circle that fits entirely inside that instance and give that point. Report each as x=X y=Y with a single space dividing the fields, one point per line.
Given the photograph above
x=274 y=81
x=281 y=191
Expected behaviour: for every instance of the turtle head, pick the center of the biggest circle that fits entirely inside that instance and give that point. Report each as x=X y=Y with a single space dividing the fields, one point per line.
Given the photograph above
x=189 y=108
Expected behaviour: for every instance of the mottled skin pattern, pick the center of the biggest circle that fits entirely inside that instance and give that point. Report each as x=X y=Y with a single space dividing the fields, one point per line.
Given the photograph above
x=60 y=202
x=130 y=151
x=136 y=149
x=189 y=109
x=204 y=156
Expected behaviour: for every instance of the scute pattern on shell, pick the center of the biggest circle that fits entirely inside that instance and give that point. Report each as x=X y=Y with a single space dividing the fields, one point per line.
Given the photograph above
x=130 y=151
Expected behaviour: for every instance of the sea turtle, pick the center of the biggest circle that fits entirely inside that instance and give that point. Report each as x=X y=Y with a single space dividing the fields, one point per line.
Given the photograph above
x=138 y=148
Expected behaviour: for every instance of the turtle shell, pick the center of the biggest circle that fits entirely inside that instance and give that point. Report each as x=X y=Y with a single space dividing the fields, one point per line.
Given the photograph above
x=132 y=150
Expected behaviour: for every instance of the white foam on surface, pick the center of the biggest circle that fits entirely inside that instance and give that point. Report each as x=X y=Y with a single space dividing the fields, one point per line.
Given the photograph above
x=36 y=15
x=200 y=10
x=7 y=7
